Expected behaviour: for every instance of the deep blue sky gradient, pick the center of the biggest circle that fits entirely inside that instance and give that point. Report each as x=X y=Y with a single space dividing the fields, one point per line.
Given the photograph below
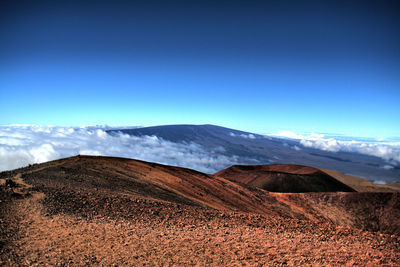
x=261 y=66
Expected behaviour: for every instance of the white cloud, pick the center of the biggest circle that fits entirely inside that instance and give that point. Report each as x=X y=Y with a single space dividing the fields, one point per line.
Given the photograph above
x=387 y=167
x=287 y=134
x=296 y=148
x=329 y=144
x=379 y=182
x=251 y=136
x=21 y=145
x=389 y=151
x=248 y=136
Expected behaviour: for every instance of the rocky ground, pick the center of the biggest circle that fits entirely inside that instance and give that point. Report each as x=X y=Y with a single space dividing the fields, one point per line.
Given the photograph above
x=52 y=224
x=36 y=230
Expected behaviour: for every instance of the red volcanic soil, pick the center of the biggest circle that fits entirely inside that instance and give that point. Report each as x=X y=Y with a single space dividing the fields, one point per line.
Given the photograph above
x=284 y=178
x=112 y=211
x=288 y=168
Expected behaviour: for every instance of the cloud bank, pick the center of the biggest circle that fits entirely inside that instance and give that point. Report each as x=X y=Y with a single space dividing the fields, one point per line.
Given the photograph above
x=389 y=151
x=21 y=145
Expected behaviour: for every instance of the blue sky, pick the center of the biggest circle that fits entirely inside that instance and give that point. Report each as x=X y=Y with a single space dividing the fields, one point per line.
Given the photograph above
x=261 y=66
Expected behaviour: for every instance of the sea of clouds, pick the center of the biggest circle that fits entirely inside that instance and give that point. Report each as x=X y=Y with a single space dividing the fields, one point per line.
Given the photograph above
x=389 y=150
x=21 y=145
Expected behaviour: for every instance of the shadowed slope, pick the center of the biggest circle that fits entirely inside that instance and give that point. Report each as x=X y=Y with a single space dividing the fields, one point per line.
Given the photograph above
x=372 y=211
x=284 y=178
x=361 y=184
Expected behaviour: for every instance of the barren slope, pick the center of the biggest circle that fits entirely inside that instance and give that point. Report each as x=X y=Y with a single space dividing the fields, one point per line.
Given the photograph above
x=284 y=178
x=106 y=211
x=361 y=184
x=127 y=177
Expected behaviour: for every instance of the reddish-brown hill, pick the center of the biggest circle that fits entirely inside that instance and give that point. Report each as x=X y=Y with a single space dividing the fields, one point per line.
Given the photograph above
x=70 y=184
x=361 y=184
x=88 y=210
x=135 y=178
x=284 y=178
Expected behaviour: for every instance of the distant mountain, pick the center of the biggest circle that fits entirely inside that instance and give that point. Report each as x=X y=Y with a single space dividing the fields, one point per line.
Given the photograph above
x=253 y=148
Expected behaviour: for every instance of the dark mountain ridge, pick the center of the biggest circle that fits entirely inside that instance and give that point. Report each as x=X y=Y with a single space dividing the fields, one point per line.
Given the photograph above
x=259 y=149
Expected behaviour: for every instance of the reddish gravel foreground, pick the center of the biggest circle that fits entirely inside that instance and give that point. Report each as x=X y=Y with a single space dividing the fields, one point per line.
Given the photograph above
x=107 y=211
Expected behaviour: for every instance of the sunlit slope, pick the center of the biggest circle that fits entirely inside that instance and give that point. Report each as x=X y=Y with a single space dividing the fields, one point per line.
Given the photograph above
x=145 y=179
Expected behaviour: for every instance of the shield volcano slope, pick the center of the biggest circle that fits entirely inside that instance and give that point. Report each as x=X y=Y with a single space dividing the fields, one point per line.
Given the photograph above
x=251 y=148
x=134 y=178
x=285 y=178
